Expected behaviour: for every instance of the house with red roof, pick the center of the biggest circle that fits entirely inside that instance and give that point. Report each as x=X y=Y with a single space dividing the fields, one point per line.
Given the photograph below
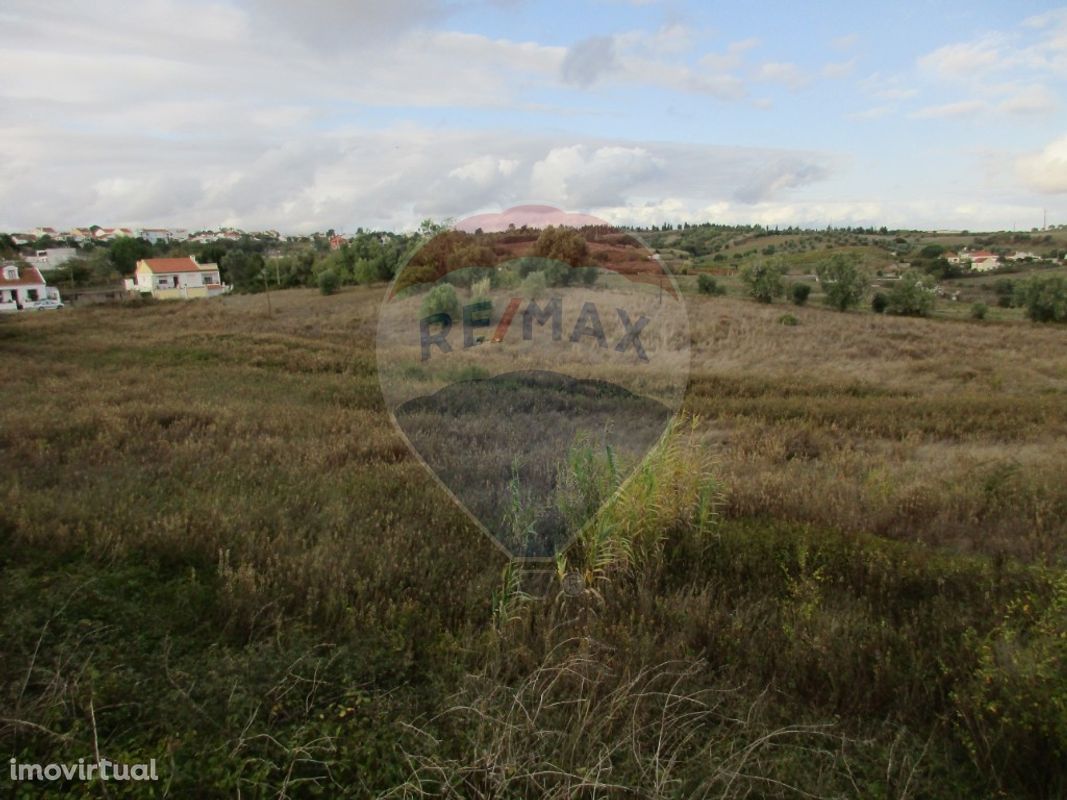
x=983 y=260
x=176 y=279
x=111 y=234
x=22 y=288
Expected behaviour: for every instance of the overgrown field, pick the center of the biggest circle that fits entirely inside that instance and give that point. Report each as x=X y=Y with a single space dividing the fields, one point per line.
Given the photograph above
x=842 y=576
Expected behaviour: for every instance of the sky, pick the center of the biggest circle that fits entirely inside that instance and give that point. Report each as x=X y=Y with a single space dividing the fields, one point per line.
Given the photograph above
x=271 y=114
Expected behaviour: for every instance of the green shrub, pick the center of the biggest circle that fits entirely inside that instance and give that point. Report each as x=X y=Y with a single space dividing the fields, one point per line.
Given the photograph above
x=842 y=281
x=1004 y=289
x=979 y=311
x=763 y=281
x=371 y=270
x=1014 y=710
x=788 y=320
x=441 y=300
x=557 y=274
x=535 y=285
x=562 y=244
x=912 y=295
x=800 y=292
x=480 y=289
x=708 y=285
x=1045 y=299
x=329 y=282
x=879 y=302
x=506 y=279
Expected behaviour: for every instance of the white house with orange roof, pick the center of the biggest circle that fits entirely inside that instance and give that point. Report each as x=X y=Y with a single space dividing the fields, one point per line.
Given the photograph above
x=24 y=288
x=111 y=234
x=983 y=260
x=176 y=279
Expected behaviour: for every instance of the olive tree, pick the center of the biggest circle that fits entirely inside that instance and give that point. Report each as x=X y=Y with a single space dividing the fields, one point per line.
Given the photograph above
x=763 y=281
x=842 y=281
x=1044 y=298
x=913 y=295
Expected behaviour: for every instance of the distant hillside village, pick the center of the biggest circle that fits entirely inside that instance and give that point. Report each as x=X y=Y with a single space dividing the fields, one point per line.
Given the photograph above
x=49 y=268
x=101 y=264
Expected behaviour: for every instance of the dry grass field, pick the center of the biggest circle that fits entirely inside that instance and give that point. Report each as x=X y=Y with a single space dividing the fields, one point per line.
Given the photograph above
x=842 y=576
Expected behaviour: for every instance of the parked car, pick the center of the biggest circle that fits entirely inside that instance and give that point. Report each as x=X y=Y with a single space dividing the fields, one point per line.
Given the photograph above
x=44 y=305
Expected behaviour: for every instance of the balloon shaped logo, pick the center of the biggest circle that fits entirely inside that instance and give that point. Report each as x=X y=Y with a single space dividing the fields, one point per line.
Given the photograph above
x=531 y=359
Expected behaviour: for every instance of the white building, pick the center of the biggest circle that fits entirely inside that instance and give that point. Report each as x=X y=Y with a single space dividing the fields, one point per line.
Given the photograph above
x=21 y=288
x=80 y=235
x=111 y=234
x=154 y=235
x=52 y=257
x=983 y=260
x=176 y=279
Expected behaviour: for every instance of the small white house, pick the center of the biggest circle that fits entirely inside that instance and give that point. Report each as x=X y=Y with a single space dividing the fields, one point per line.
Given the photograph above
x=52 y=257
x=111 y=234
x=1024 y=255
x=176 y=279
x=983 y=260
x=153 y=235
x=22 y=288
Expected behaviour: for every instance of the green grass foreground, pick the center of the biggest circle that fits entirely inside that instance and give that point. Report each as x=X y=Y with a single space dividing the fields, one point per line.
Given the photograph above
x=842 y=576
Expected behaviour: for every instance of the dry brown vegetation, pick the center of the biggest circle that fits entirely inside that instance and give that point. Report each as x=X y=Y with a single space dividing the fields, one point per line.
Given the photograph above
x=217 y=552
x=952 y=433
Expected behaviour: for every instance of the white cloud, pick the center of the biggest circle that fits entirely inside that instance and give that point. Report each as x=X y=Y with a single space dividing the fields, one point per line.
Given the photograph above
x=1004 y=72
x=820 y=213
x=1045 y=171
x=783 y=72
x=265 y=114
x=638 y=58
x=846 y=42
x=1034 y=99
x=887 y=87
x=671 y=39
x=898 y=93
x=342 y=23
x=732 y=58
x=963 y=60
x=777 y=176
x=1021 y=59
x=587 y=60
x=962 y=108
x=386 y=178
x=875 y=112
x=838 y=69
x=485 y=171
x=582 y=177
x=1027 y=101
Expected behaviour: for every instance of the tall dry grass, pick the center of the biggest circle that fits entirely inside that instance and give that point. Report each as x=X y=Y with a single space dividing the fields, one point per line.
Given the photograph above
x=215 y=547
